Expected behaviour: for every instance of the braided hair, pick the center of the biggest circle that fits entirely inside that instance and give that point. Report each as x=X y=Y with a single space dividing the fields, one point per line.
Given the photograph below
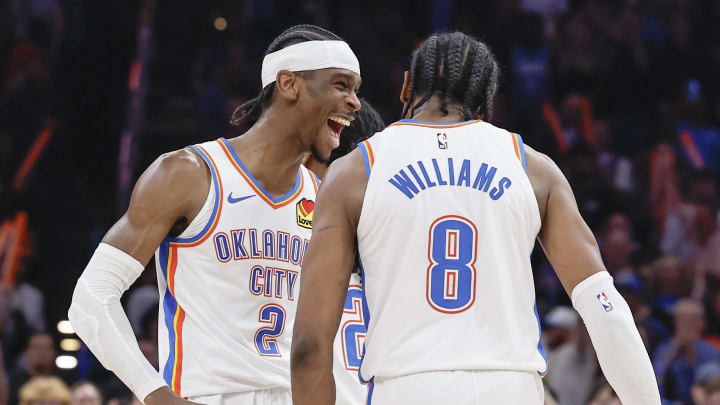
x=459 y=69
x=252 y=109
x=366 y=123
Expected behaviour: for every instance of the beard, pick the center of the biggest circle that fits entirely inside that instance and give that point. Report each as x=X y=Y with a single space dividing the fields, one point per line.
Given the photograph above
x=317 y=156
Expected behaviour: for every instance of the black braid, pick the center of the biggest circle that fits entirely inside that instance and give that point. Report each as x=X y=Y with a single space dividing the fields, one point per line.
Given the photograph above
x=459 y=69
x=251 y=110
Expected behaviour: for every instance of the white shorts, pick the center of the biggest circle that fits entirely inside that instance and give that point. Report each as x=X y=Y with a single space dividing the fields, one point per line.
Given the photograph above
x=459 y=388
x=273 y=396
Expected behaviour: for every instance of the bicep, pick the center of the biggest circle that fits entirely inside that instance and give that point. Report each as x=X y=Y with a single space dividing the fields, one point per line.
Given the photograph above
x=568 y=242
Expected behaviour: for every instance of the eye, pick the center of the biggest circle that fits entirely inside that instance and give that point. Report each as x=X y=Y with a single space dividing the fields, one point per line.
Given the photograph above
x=342 y=85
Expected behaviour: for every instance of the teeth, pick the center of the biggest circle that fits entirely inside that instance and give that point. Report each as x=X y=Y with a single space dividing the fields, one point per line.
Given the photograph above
x=341 y=120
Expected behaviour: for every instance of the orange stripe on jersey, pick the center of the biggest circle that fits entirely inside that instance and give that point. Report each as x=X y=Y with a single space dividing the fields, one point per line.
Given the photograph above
x=314 y=180
x=177 y=321
x=273 y=202
x=438 y=125
x=516 y=145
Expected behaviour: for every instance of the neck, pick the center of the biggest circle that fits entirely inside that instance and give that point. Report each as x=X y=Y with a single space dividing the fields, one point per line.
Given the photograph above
x=316 y=167
x=272 y=150
x=430 y=111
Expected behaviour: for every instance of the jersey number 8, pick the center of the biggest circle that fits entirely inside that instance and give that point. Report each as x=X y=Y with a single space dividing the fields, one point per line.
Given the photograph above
x=452 y=249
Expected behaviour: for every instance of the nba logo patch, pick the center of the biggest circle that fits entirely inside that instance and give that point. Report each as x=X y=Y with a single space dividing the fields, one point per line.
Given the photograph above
x=304 y=211
x=607 y=305
x=442 y=140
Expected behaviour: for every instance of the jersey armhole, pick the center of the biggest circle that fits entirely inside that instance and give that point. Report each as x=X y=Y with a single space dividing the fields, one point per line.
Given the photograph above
x=368 y=156
x=188 y=236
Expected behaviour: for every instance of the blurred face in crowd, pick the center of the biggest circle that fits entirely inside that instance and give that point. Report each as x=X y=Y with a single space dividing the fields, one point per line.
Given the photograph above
x=616 y=243
x=689 y=320
x=40 y=354
x=86 y=394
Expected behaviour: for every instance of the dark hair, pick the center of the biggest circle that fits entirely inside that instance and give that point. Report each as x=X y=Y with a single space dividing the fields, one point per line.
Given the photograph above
x=366 y=123
x=458 y=68
x=252 y=109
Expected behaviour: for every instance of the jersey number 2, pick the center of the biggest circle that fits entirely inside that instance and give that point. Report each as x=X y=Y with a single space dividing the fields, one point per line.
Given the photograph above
x=353 y=330
x=452 y=250
x=266 y=337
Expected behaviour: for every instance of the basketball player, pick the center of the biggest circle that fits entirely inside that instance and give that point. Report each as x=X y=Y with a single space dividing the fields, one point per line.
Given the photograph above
x=228 y=221
x=351 y=334
x=446 y=209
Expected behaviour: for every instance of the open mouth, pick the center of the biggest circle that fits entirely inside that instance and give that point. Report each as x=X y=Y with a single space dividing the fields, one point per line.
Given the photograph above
x=335 y=126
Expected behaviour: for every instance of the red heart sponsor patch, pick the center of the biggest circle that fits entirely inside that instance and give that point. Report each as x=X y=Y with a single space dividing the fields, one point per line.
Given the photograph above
x=307 y=206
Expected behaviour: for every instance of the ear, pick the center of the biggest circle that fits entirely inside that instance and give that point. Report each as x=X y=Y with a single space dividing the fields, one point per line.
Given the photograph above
x=286 y=84
x=405 y=91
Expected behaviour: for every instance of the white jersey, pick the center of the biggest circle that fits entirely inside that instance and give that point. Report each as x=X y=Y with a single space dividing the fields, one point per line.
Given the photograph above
x=348 y=348
x=448 y=223
x=229 y=283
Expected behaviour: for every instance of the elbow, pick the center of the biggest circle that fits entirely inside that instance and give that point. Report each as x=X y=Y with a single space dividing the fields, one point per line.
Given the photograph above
x=307 y=352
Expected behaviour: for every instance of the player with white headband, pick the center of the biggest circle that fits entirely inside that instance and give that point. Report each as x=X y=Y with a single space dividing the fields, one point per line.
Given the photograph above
x=228 y=222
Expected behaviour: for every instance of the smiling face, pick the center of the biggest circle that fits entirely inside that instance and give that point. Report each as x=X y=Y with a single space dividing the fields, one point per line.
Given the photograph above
x=329 y=105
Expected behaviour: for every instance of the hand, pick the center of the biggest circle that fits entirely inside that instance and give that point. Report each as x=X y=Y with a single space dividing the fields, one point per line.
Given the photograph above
x=164 y=396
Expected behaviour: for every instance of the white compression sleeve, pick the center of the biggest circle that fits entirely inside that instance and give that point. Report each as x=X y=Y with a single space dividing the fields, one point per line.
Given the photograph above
x=616 y=340
x=99 y=319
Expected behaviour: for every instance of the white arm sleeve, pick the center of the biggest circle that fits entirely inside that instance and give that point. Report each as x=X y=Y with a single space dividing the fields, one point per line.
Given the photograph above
x=616 y=340
x=99 y=319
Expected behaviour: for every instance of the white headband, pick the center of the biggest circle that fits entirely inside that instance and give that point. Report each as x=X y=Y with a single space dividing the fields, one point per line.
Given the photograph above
x=309 y=55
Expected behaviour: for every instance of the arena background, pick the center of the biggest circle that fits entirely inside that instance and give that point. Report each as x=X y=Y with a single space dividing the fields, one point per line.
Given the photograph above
x=623 y=94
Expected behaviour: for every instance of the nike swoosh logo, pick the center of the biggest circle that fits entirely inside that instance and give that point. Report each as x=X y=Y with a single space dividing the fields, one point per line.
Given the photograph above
x=232 y=200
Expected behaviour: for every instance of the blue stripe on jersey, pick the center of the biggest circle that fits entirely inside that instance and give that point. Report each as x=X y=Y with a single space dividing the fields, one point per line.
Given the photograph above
x=366 y=316
x=169 y=308
x=438 y=124
x=370 y=391
x=540 y=346
x=522 y=150
x=218 y=198
x=366 y=158
x=317 y=179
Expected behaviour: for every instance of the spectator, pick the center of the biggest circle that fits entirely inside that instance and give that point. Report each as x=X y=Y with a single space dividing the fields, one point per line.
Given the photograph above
x=707 y=382
x=574 y=367
x=558 y=327
x=38 y=361
x=45 y=390
x=677 y=360
x=86 y=393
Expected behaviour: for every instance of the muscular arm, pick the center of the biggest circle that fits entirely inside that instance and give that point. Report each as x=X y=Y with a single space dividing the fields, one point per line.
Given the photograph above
x=325 y=274
x=573 y=252
x=171 y=191
x=565 y=237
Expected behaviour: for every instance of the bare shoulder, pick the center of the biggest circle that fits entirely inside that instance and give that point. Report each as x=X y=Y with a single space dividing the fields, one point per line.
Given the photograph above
x=181 y=172
x=345 y=183
x=545 y=176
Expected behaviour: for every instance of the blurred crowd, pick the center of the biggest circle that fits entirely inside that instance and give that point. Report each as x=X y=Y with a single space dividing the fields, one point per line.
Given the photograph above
x=623 y=94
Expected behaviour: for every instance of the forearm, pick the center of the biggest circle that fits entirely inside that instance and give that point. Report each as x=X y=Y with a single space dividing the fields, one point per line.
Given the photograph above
x=100 y=321
x=616 y=340
x=311 y=374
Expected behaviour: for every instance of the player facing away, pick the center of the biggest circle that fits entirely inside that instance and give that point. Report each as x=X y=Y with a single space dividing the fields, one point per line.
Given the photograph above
x=348 y=345
x=445 y=209
x=229 y=222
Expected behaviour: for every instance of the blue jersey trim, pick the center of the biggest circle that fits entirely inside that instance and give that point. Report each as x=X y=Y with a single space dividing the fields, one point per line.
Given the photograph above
x=434 y=123
x=169 y=309
x=540 y=346
x=366 y=316
x=366 y=159
x=370 y=391
x=218 y=199
x=522 y=151
x=256 y=183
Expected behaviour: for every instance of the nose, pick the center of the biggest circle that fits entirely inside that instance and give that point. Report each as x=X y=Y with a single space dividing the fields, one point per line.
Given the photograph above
x=353 y=101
